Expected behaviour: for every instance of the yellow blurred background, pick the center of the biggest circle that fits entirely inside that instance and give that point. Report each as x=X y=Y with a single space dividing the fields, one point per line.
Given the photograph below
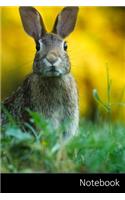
x=98 y=40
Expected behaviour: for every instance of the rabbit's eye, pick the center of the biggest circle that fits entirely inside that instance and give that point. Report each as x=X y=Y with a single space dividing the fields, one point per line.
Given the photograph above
x=37 y=46
x=65 y=46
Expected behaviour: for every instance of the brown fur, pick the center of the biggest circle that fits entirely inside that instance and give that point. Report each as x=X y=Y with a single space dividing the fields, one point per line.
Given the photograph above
x=50 y=90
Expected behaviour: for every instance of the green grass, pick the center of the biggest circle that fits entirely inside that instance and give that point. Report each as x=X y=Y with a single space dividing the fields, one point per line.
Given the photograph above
x=98 y=147
x=93 y=149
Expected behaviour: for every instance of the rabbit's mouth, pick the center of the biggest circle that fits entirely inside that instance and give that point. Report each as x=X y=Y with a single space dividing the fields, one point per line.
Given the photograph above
x=53 y=72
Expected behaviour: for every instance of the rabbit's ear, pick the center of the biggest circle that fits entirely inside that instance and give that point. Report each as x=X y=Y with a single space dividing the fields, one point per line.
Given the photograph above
x=65 y=21
x=32 y=22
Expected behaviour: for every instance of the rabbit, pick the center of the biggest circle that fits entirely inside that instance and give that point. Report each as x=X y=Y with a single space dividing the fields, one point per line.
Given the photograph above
x=50 y=89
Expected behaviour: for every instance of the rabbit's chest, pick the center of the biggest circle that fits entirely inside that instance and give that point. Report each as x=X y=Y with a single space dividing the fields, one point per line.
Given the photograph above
x=49 y=103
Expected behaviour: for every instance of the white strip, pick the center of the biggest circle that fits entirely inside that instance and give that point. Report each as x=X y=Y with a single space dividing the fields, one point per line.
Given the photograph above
x=62 y=3
x=45 y=61
x=56 y=64
x=62 y=196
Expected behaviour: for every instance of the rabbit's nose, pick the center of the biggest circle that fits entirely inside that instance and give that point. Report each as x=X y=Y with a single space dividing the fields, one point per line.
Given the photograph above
x=52 y=57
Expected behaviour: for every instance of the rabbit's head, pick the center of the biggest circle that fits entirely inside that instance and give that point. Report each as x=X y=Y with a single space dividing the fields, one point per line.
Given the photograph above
x=51 y=59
